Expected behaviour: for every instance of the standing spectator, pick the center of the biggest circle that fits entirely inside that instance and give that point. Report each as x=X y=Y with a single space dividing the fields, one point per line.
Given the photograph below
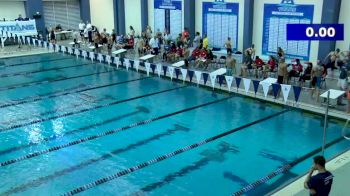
x=154 y=45
x=148 y=32
x=343 y=80
x=296 y=70
x=185 y=34
x=81 y=29
x=251 y=50
x=321 y=183
x=317 y=74
x=280 y=53
x=306 y=75
x=230 y=65
x=205 y=42
x=331 y=60
x=131 y=31
x=197 y=40
x=52 y=37
x=89 y=31
x=228 y=45
x=282 y=71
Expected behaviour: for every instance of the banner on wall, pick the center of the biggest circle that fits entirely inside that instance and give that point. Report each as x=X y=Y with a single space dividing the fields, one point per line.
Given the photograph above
x=20 y=28
x=220 y=21
x=168 y=15
x=276 y=18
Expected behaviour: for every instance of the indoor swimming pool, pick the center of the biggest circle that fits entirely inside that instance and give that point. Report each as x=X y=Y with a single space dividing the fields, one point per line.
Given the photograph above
x=67 y=122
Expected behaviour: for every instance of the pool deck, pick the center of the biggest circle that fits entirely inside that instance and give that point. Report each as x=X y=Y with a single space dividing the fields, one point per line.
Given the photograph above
x=340 y=167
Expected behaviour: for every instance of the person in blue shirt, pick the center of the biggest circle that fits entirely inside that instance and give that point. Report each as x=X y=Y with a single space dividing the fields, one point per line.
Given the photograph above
x=321 y=183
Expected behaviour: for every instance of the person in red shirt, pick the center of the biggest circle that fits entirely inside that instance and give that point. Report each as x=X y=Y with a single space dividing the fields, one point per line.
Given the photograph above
x=202 y=58
x=271 y=63
x=185 y=34
x=130 y=44
x=297 y=69
x=258 y=62
x=195 y=54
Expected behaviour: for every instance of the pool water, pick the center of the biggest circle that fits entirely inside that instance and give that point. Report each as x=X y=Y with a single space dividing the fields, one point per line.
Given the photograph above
x=49 y=101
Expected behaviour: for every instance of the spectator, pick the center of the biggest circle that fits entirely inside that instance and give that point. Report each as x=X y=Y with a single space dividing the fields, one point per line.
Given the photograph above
x=197 y=40
x=296 y=70
x=89 y=31
x=280 y=53
x=251 y=50
x=282 y=71
x=343 y=80
x=230 y=65
x=321 y=183
x=185 y=34
x=81 y=29
x=195 y=54
x=154 y=45
x=247 y=64
x=205 y=42
x=209 y=59
x=52 y=37
x=317 y=74
x=306 y=75
x=20 y=18
x=148 y=32
x=202 y=58
x=131 y=31
x=258 y=64
x=228 y=45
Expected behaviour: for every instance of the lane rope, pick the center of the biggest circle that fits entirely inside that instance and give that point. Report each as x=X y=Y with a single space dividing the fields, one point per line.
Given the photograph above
x=164 y=157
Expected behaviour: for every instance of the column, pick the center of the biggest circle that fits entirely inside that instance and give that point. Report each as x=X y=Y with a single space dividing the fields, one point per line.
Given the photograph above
x=248 y=23
x=119 y=16
x=36 y=7
x=330 y=15
x=144 y=14
x=85 y=10
x=190 y=16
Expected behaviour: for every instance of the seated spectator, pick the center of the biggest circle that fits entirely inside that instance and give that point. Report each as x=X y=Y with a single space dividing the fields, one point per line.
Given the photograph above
x=195 y=54
x=186 y=52
x=141 y=46
x=120 y=42
x=271 y=63
x=202 y=58
x=258 y=65
x=247 y=64
x=170 y=54
x=306 y=75
x=296 y=70
x=179 y=42
x=130 y=43
x=209 y=59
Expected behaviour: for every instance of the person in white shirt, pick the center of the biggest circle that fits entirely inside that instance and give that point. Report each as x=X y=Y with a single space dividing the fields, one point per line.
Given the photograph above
x=89 y=31
x=154 y=45
x=197 y=40
x=81 y=29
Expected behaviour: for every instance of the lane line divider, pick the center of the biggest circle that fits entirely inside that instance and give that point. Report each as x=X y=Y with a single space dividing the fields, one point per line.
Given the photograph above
x=19 y=64
x=38 y=71
x=93 y=137
x=166 y=156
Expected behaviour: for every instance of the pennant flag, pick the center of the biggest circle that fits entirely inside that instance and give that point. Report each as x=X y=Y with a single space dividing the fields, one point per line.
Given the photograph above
x=205 y=78
x=165 y=68
x=229 y=80
x=297 y=91
x=238 y=82
x=28 y=40
x=246 y=83
x=51 y=46
x=127 y=64
x=221 y=79
x=108 y=59
x=190 y=74
x=137 y=65
x=275 y=89
x=70 y=50
x=39 y=43
x=177 y=72
x=92 y=56
x=45 y=44
x=153 y=67
x=212 y=79
x=159 y=69
x=265 y=86
x=148 y=66
x=100 y=57
x=117 y=62
x=256 y=85
x=84 y=53
x=285 y=91
x=184 y=74
x=198 y=76
x=77 y=52
x=171 y=72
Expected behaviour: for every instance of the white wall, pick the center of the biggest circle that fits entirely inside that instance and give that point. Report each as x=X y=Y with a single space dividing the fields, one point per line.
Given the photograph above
x=258 y=23
x=102 y=14
x=199 y=22
x=344 y=18
x=151 y=14
x=133 y=15
x=11 y=9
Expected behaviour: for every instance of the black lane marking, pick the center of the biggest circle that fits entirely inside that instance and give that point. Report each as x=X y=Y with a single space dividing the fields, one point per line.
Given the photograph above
x=43 y=61
x=57 y=94
x=165 y=156
x=139 y=109
x=82 y=110
x=41 y=70
x=82 y=140
x=284 y=168
x=56 y=174
x=47 y=81
x=209 y=155
x=76 y=105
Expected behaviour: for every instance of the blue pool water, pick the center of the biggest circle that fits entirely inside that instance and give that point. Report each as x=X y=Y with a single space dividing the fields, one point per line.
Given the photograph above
x=50 y=100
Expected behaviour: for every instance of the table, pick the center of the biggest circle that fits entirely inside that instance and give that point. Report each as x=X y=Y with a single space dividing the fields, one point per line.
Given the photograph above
x=65 y=33
x=147 y=57
x=333 y=94
x=178 y=64
x=93 y=47
x=220 y=71
x=269 y=81
x=120 y=53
